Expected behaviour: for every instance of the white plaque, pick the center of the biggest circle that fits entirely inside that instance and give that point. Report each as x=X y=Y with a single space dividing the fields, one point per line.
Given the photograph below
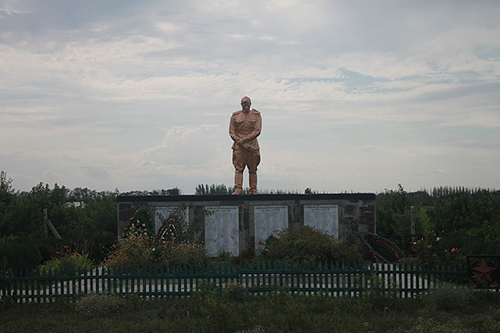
x=269 y=220
x=323 y=217
x=221 y=230
x=163 y=213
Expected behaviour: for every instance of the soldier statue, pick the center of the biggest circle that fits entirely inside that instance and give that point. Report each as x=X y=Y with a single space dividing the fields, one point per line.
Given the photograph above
x=244 y=128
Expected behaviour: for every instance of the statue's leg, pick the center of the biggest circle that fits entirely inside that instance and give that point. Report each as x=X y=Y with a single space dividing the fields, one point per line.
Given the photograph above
x=253 y=162
x=239 y=166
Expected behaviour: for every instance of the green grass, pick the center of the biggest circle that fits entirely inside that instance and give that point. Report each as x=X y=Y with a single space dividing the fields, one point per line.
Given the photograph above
x=237 y=311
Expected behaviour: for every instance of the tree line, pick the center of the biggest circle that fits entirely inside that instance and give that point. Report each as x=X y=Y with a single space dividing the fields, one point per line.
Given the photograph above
x=463 y=218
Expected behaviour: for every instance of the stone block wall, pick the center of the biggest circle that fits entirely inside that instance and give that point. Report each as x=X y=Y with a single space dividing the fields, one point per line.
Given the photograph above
x=238 y=222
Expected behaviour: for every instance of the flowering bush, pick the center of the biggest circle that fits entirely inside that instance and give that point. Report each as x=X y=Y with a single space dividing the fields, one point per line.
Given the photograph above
x=67 y=262
x=245 y=255
x=306 y=243
x=431 y=249
x=145 y=251
x=180 y=253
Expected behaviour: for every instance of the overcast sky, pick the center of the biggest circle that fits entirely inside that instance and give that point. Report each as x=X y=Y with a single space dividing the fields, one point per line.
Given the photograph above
x=355 y=95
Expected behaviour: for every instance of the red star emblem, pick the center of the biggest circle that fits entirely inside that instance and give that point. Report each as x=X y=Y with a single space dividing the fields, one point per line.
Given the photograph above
x=484 y=272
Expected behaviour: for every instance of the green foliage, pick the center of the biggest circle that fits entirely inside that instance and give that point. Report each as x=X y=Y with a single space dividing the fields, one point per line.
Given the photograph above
x=67 y=262
x=90 y=227
x=236 y=312
x=19 y=251
x=223 y=257
x=432 y=249
x=470 y=222
x=205 y=189
x=462 y=218
x=170 y=191
x=394 y=213
x=306 y=243
x=145 y=251
x=180 y=254
x=247 y=254
x=382 y=294
x=449 y=297
x=96 y=305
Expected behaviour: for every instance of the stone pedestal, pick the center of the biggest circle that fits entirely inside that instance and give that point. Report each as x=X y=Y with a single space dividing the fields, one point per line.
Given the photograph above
x=234 y=223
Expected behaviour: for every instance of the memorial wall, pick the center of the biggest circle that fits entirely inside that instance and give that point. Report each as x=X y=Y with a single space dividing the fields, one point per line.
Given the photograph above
x=234 y=223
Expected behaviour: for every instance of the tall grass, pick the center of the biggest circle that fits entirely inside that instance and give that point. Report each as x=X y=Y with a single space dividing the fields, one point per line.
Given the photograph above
x=235 y=310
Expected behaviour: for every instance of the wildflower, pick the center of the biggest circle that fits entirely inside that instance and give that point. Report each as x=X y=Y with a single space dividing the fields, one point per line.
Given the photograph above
x=446 y=251
x=453 y=250
x=260 y=242
x=311 y=232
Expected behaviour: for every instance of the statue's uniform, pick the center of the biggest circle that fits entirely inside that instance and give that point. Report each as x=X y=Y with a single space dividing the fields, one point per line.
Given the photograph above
x=244 y=128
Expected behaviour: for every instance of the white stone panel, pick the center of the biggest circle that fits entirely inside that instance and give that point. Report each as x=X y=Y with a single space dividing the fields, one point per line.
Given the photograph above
x=221 y=230
x=323 y=217
x=268 y=220
x=164 y=213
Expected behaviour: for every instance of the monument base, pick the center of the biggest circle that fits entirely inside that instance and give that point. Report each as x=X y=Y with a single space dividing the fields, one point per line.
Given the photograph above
x=233 y=223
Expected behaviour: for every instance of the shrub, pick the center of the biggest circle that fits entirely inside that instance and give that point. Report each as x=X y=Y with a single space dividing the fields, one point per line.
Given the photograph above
x=431 y=249
x=234 y=292
x=306 y=243
x=67 y=262
x=223 y=257
x=448 y=297
x=180 y=253
x=95 y=305
x=145 y=251
x=131 y=251
x=382 y=294
x=246 y=255
x=19 y=251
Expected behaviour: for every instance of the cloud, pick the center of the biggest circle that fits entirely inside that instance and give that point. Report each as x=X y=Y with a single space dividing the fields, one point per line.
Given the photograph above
x=127 y=94
x=180 y=142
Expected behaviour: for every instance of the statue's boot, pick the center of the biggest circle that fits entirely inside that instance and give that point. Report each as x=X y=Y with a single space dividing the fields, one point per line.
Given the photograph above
x=238 y=183
x=253 y=183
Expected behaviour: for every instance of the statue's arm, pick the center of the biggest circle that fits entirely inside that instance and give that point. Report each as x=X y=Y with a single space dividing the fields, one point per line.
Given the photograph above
x=232 y=130
x=256 y=131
